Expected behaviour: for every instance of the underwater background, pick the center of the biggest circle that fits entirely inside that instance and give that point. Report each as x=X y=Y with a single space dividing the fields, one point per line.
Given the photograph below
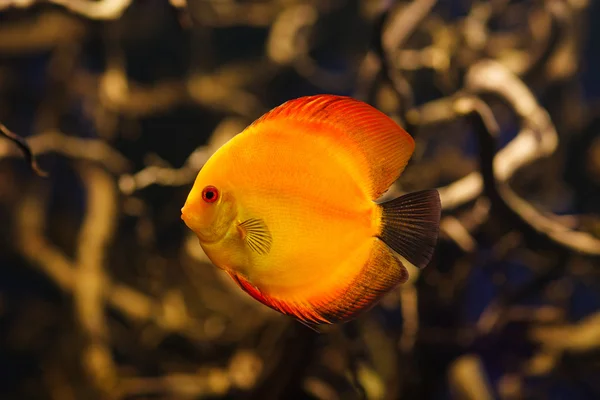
x=105 y=294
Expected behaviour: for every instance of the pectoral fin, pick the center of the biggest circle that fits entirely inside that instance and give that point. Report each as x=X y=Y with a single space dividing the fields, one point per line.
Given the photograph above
x=256 y=235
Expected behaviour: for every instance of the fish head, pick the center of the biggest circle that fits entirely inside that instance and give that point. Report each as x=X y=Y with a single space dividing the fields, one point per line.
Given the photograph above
x=209 y=210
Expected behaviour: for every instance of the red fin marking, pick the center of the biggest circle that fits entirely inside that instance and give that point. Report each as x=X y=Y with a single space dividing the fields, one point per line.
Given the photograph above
x=380 y=274
x=300 y=311
x=384 y=146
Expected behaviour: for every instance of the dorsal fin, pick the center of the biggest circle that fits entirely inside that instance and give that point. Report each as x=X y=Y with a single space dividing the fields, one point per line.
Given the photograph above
x=371 y=137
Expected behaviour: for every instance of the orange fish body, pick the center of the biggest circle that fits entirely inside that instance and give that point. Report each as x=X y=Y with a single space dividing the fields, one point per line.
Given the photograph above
x=287 y=208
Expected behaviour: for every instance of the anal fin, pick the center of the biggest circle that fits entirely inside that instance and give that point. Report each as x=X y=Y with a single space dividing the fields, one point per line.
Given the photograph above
x=301 y=311
x=379 y=275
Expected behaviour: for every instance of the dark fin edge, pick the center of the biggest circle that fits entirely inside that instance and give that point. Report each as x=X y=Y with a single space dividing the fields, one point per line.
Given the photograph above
x=312 y=326
x=410 y=225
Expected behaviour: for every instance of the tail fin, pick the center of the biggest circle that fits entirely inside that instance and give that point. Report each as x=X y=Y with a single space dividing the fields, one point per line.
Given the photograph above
x=411 y=225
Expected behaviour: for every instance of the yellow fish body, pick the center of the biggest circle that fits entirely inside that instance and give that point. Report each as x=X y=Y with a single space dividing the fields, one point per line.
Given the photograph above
x=287 y=208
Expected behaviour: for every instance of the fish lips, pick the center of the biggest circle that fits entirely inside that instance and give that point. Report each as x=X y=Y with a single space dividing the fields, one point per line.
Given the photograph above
x=187 y=217
x=194 y=222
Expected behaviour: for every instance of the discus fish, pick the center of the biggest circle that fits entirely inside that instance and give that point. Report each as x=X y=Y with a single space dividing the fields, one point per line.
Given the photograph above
x=288 y=209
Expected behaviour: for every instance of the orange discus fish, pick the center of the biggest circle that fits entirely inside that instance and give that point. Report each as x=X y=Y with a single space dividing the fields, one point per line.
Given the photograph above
x=287 y=208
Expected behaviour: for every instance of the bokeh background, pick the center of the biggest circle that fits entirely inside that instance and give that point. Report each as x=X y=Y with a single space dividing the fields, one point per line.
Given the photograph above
x=104 y=294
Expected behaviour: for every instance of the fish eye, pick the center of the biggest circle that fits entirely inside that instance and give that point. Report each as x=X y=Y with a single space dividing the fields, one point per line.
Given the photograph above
x=210 y=194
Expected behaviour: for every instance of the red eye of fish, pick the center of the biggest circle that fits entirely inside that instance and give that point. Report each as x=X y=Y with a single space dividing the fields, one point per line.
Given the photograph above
x=210 y=194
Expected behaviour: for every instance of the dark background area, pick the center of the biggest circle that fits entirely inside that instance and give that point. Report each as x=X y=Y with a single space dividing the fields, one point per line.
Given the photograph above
x=105 y=294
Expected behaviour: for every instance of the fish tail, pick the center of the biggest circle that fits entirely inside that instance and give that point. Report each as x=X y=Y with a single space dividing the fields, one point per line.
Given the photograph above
x=410 y=225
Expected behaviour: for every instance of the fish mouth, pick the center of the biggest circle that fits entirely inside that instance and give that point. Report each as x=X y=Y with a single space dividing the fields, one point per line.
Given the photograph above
x=193 y=223
x=186 y=217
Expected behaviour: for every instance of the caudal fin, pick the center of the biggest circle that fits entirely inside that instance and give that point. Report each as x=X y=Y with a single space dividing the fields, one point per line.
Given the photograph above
x=411 y=225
